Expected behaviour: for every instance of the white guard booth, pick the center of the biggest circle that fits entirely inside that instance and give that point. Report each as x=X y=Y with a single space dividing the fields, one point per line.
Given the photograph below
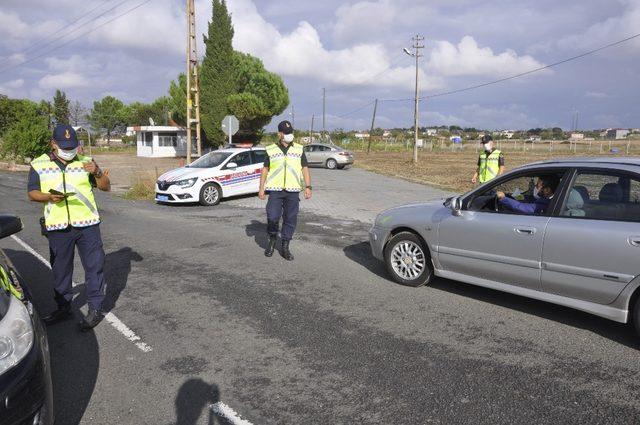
x=161 y=141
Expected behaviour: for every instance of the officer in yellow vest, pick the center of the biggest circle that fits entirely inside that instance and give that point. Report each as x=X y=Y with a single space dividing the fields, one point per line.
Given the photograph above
x=63 y=181
x=490 y=162
x=284 y=176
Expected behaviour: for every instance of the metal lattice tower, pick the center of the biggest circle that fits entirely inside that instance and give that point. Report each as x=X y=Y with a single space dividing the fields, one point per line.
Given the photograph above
x=193 y=83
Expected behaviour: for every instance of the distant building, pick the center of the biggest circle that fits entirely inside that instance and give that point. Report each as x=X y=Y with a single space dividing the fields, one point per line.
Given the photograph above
x=386 y=133
x=431 y=132
x=160 y=141
x=361 y=135
x=507 y=134
x=577 y=136
x=617 y=134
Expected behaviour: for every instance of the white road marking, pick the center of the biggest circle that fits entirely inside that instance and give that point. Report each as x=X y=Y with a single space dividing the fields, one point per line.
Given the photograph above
x=109 y=317
x=230 y=415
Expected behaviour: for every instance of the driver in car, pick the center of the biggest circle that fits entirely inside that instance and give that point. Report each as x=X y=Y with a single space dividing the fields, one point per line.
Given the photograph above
x=543 y=193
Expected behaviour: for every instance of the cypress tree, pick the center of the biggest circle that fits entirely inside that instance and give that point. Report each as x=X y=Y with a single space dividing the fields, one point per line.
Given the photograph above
x=217 y=76
x=61 y=107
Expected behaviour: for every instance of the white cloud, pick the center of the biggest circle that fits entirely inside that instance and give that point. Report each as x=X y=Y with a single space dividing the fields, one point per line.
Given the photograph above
x=467 y=58
x=355 y=21
x=596 y=95
x=64 y=80
x=12 y=88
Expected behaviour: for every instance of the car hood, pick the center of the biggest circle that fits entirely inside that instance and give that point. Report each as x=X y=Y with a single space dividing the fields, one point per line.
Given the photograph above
x=181 y=173
x=405 y=214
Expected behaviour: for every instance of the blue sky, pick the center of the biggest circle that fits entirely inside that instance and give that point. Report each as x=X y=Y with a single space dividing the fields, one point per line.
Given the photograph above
x=354 y=49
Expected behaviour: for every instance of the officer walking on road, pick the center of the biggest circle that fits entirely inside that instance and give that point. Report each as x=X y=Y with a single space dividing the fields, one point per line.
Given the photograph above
x=490 y=162
x=284 y=176
x=63 y=181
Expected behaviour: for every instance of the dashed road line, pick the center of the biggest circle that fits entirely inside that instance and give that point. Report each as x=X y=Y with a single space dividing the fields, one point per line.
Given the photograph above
x=228 y=414
x=109 y=317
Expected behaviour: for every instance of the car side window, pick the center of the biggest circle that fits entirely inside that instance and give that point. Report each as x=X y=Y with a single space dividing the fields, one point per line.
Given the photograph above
x=308 y=148
x=520 y=188
x=242 y=159
x=324 y=148
x=603 y=196
x=259 y=156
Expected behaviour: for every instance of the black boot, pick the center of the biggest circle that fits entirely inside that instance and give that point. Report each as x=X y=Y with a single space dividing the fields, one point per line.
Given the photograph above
x=61 y=314
x=286 y=254
x=271 y=246
x=91 y=320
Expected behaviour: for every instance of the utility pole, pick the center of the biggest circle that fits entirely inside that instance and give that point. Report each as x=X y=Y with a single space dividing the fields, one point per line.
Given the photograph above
x=324 y=98
x=373 y=120
x=313 y=117
x=293 y=117
x=416 y=53
x=193 y=84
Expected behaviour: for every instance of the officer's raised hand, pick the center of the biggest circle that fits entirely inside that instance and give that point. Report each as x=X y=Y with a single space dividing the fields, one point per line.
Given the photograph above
x=91 y=167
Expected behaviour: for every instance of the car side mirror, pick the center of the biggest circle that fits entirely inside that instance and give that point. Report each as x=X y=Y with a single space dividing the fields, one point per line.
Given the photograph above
x=9 y=224
x=232 y=165
x=456 y=206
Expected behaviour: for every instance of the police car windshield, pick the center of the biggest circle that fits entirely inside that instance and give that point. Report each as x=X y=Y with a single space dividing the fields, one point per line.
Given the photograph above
x=212 y=159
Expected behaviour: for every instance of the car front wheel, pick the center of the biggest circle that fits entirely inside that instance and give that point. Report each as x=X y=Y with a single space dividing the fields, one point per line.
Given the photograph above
x=332 y=164
x=210 y=195
x=407 y=260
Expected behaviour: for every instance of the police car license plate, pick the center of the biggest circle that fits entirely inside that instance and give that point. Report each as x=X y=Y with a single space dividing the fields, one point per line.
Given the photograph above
x=162 y=198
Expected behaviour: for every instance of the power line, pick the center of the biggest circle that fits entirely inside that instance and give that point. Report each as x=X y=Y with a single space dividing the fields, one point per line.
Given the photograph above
x=80 y=35
x=522 y=74
x=356 y=110
x=74 y=21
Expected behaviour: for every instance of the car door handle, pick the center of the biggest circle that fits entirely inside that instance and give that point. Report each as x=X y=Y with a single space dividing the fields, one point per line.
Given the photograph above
x=634 y=240
x=525 y=230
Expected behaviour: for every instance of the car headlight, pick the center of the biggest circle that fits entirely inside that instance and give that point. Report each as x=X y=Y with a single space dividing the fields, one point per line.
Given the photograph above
x=187 y=182
x=16 y=335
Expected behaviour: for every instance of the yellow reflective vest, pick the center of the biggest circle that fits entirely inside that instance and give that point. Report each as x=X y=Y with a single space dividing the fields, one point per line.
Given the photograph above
x=489 y=165
x=78 y=210
x=285 y=170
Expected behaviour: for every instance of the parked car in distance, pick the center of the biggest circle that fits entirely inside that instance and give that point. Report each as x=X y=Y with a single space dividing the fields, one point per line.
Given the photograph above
x=215 y=175
x=26 y=395
x=582 y=252
x=329 y=156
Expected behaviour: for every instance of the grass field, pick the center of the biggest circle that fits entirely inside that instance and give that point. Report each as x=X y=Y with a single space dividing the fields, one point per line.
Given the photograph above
x=452 y=170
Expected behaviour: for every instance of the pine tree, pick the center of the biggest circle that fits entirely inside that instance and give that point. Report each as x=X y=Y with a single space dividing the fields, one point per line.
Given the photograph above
x=61 y=107
x=217 y=75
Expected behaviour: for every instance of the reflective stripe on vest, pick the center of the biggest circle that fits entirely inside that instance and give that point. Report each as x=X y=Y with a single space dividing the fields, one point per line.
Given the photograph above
x=489 y=166
x=78 y=210
x=285 y=170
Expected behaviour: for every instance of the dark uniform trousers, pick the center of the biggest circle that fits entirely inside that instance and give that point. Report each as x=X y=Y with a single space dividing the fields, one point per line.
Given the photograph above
x=286 y=205
x=62 y=245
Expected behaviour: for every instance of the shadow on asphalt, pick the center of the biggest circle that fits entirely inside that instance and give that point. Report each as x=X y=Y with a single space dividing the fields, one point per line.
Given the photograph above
x=618 y=332
x=258 y=231
x=194 y=396
x=75 y=357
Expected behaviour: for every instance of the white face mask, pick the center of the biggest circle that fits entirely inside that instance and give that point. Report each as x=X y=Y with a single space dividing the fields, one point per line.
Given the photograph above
x=288 y=138
x=67 y=155
x=488 y=146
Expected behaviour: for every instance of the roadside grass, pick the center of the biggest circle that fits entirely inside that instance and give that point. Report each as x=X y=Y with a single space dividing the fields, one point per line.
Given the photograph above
x=142 y=187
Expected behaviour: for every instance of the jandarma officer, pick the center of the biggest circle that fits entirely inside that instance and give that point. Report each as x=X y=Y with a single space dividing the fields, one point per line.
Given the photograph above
x=63 y=181
x=284 y=176
x=490 y=162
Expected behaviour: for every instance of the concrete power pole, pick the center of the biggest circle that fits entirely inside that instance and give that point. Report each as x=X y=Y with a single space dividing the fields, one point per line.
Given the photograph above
x=324 y=98
x=313 y=117
x=373 y=121
x=193 y=83
x=416 y=53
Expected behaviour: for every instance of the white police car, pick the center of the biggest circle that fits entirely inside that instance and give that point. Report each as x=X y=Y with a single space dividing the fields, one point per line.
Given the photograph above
x=216 y=175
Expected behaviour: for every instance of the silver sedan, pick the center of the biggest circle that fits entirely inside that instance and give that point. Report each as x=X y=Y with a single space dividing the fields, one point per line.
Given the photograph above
x=329 y=156
x=577 y=245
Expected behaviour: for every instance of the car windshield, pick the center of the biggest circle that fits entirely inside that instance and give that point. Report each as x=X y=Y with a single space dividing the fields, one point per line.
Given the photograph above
x=212 y=159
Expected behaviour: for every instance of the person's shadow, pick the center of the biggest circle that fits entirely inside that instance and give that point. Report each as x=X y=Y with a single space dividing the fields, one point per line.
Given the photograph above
x=258 y=231
x=75 y=356
x=193 y=397
x=117 y=267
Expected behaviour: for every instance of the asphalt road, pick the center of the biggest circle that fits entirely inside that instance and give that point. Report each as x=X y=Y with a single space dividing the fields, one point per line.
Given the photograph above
x=326 y=339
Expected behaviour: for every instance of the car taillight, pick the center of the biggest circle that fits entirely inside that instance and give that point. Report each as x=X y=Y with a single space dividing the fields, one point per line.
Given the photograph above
x=344 y=153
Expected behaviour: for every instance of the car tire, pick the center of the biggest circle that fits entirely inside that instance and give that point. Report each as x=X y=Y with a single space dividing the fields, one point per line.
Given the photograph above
x=331 y=164
x=636 y=315
x=210 y=195
x=418 y=271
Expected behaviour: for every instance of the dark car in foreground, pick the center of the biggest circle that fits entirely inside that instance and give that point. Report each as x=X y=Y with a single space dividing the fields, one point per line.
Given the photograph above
x=26 y=396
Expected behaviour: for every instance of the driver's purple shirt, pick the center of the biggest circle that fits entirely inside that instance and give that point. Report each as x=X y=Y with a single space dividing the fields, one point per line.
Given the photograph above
x=538 y=207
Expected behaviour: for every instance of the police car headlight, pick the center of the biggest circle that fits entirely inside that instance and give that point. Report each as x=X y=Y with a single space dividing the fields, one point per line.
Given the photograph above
x=16 y=335
x=186 y=183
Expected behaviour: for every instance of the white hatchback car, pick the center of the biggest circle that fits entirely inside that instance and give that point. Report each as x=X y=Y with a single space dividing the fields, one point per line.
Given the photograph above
x=216 y=175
